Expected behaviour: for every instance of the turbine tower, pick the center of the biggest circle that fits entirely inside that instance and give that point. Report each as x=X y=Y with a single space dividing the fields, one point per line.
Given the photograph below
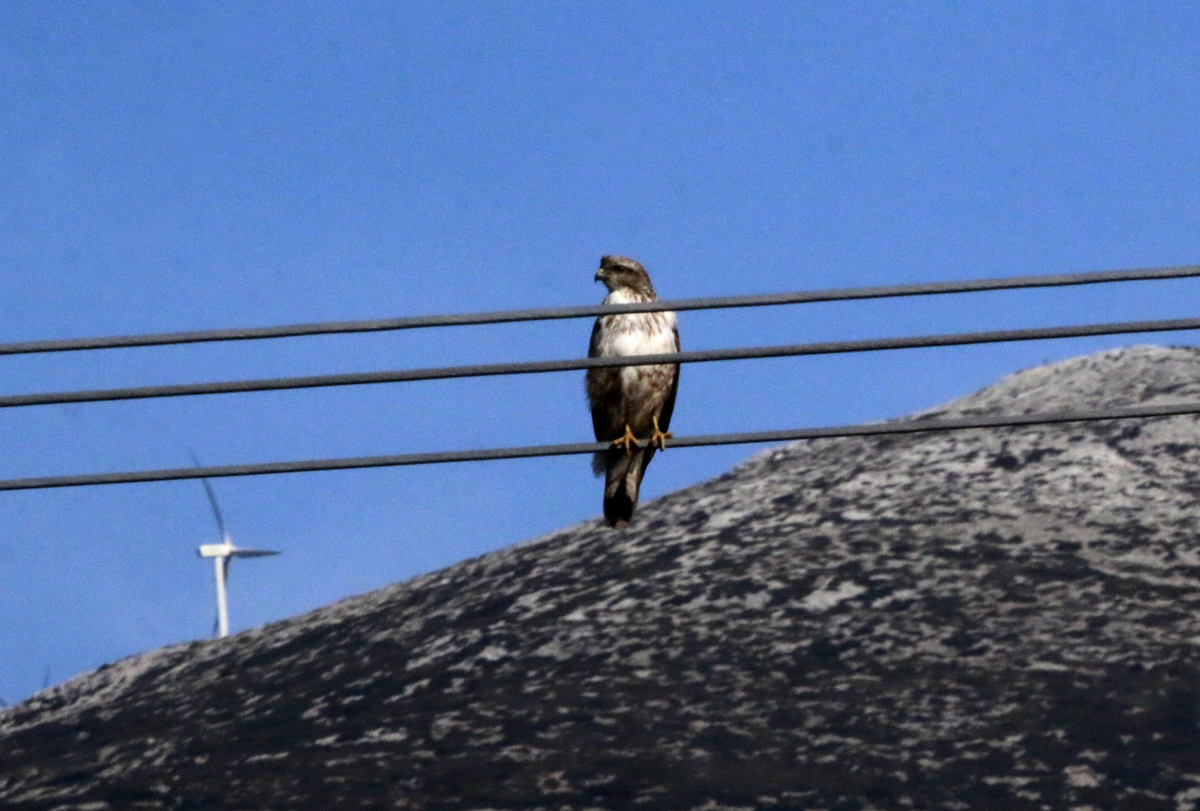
x=222 y=553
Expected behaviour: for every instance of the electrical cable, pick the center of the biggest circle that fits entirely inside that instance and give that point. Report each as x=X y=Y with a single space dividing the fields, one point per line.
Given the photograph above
x=554 y=313
x=905 y=426
x=532 y=367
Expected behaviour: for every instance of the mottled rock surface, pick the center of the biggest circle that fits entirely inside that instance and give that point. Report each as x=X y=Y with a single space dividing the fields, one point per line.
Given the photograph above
x=982 y=619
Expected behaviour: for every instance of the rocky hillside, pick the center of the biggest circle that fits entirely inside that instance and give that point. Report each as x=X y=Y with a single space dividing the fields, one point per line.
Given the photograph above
x=985 y=619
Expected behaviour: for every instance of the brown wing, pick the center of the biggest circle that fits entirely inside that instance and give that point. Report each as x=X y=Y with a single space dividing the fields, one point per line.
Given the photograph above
x=664 y=419
x=594 y=344
x=605 y=423
x=604 y=393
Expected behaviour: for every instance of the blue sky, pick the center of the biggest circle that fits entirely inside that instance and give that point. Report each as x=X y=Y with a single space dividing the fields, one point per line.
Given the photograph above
x=172 y=166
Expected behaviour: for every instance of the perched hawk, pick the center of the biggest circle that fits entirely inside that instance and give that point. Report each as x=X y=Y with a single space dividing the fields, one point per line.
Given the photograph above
x=629 y=403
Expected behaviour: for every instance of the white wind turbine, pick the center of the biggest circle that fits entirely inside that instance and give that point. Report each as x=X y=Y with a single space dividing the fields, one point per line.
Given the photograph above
x=222 y=553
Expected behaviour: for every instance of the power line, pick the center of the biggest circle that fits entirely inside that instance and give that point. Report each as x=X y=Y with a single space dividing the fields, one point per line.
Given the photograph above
x=532 y=367
x=909 y=426
x=509 y=316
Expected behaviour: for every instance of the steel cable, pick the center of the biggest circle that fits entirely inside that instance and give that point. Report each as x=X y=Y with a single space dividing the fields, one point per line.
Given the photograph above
x=907 y=426
x=554 y=313
x=532 y=367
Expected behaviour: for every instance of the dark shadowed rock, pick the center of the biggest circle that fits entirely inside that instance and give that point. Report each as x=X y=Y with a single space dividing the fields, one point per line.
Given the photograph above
x=986 y=619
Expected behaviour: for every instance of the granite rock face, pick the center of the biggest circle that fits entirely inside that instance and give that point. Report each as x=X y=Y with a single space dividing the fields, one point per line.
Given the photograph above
x=1000 y=619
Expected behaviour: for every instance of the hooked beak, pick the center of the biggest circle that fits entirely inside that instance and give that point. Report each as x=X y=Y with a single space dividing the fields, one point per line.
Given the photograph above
x=600 y=275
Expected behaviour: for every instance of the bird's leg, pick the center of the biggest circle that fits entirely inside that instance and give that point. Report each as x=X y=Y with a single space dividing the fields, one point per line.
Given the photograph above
x=660 y=436
x=628 y=442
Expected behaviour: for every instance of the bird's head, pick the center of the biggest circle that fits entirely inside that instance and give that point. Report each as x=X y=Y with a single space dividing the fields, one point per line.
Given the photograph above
x=623 y=273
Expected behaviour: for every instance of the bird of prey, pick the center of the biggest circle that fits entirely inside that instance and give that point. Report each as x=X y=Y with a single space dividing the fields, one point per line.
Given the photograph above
x=629 y=403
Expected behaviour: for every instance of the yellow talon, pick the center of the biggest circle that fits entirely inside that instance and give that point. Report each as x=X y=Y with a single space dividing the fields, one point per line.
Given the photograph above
x=660 y=436
x=629 y=441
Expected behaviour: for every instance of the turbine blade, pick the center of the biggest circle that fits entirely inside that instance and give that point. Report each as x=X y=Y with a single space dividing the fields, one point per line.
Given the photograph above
x=212 y=498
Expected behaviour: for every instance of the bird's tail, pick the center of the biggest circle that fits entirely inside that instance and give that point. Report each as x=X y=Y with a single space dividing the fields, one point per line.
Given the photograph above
x=622 y=480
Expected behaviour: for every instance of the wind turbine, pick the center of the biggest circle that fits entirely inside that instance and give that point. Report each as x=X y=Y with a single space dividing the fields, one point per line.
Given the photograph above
x=222 y=553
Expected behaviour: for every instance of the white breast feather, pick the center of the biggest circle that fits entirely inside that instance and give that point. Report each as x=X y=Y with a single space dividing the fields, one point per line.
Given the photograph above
x=636 y=334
